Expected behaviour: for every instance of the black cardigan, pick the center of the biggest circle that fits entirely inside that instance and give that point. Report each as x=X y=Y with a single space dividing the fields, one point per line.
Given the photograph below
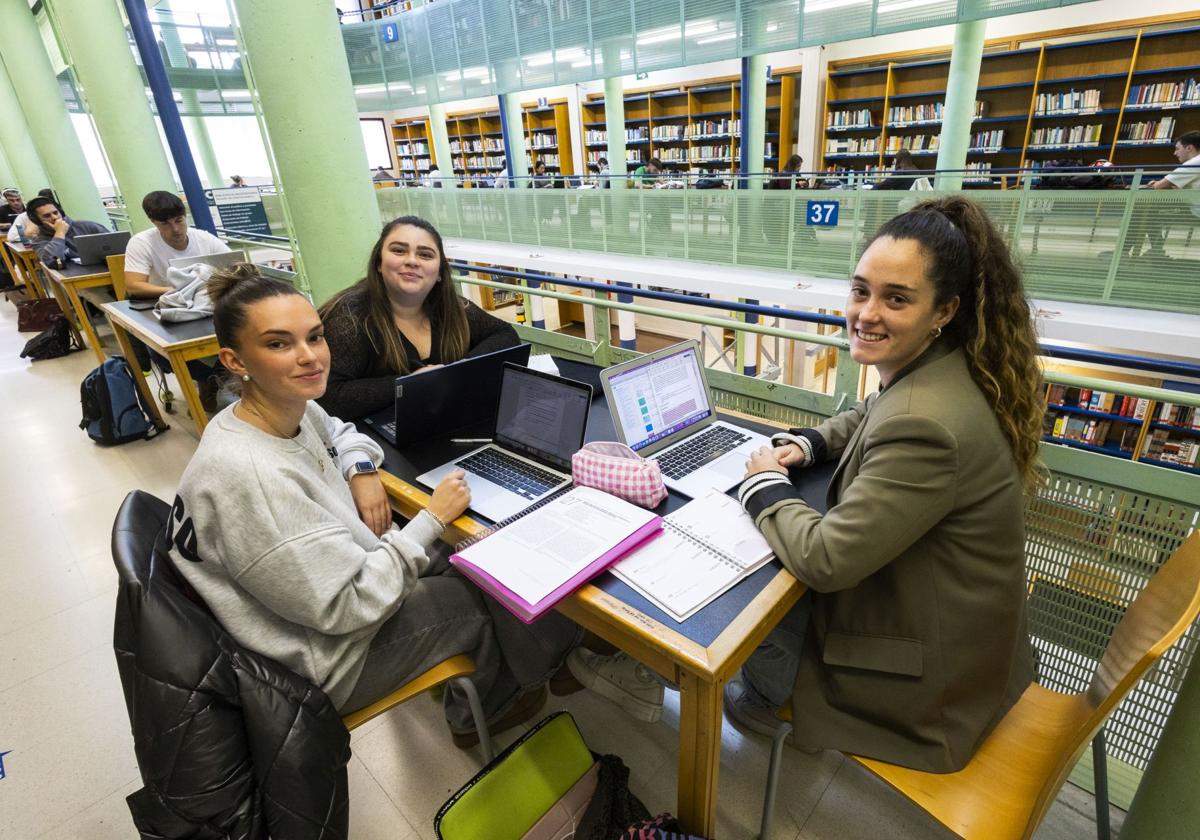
x=361 y=382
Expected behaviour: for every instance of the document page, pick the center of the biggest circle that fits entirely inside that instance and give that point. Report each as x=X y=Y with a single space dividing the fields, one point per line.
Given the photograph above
x=540 y=552
x=718 y=520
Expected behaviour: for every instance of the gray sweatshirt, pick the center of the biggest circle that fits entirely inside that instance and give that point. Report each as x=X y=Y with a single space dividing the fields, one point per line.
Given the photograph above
x=266 y=531
x=55 y=252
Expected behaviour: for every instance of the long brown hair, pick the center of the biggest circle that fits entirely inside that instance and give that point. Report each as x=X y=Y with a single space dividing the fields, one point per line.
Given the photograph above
x=968 y=258
x=443 y=305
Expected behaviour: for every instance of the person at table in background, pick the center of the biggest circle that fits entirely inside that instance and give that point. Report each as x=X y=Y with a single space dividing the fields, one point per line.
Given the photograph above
x=605 y=173
x=912 y=644
x=22 y=228
x=13 y=207
x=403 y=317
x=237 y=181
x=787 y=176
x=282 y=526
x=149 y=252
x=1154 y=221
x=383 y=174
x=540 y=177
x=56 y=232
x=647 y=174
x=904 y=172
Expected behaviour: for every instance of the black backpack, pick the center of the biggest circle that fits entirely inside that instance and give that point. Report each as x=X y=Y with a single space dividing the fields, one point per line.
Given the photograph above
x=52 y=342
x=113 y=411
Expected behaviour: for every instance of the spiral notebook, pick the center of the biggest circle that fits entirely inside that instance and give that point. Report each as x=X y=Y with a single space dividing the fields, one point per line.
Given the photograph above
x=703 y=550
x=532 y=561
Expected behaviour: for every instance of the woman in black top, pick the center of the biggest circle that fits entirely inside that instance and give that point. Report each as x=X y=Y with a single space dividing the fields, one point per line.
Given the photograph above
x=403 y=317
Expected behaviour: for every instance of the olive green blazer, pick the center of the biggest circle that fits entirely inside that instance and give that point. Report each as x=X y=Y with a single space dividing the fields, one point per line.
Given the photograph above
x=917 y=644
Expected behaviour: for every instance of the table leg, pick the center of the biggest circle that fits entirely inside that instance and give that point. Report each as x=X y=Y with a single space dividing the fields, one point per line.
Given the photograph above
x=86 y=322
x=188 y=386
x=68 y=311
x=700 y=715
x=147 y=394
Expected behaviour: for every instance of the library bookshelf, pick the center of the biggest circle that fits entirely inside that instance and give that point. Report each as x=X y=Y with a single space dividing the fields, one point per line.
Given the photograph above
x=1121 y=95
x=476 y=144
x=694 y=125
x=547 y=130
x=1146 y=431
x=414 y=151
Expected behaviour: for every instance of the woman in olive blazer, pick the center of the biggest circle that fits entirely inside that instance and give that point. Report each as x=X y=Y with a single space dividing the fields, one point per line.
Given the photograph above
x=916 y=644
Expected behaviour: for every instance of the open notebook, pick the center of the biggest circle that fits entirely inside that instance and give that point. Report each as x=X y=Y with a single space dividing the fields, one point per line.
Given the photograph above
x=548 y=551
x=704 y=548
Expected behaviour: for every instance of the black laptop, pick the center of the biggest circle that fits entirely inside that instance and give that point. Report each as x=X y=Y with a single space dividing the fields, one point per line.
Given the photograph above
x=455 y=396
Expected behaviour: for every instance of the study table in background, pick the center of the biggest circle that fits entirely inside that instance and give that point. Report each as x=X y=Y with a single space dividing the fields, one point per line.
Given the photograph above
x=180 y=343
x=26 y=261
x=699 y=655
x=74 y=278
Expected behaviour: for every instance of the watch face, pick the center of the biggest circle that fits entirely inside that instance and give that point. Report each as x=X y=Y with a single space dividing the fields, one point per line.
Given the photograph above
x=364 y=467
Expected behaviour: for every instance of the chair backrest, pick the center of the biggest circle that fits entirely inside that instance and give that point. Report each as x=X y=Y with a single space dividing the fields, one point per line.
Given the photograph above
x=116 y=270
x=139 y=521
x=1160 y=614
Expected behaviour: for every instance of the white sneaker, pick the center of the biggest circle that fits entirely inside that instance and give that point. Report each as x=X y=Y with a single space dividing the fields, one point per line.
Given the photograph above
x=625 y=681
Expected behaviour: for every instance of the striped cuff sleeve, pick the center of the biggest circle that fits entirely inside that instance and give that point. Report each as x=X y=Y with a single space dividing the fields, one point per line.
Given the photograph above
x=806 y=450
x=757 y=482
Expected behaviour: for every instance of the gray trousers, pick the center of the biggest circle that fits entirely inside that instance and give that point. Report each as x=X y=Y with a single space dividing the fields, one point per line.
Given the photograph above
x=447 y=615
x=770 y=672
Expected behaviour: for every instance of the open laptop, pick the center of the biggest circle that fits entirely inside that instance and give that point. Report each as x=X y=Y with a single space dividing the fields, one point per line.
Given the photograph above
x=540 y=421
x=215 y=260
x=93 y=248
x=662 y=410
x=447 y=398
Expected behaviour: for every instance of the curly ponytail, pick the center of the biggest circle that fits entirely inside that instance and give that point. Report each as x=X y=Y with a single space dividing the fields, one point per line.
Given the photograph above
x=232 y=290
x=968 y=258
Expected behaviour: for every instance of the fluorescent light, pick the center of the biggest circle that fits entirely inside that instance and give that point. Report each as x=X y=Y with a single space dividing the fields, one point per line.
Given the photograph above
x=826 y=5
x=724 y=36
x=540 y=59
x=587 y=62
x=772 y=27
x=659 y=36
x=566 y=54
x=899 y=5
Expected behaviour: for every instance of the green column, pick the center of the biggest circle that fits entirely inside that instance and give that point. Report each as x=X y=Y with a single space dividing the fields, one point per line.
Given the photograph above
x=28 y=172
x=441 y=142
x=8 y=177
x=1165 y=806
x=199 y=140
x=94 y=38
x=511 y=103
x=614 y=126
x=754 y=132
x=45 y=112
x=308 y=109
x=965 y=60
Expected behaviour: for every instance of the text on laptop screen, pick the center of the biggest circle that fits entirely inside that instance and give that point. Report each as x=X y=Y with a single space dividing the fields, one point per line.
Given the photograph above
x=660 y=398
x=540 y=417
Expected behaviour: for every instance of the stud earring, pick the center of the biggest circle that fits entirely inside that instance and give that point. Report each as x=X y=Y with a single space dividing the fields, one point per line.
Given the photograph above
x=936 y=332
x=245 y=377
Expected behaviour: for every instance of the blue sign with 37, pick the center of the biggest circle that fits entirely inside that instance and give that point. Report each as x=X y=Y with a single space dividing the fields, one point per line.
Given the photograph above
x=390 y=32
x=822 y=213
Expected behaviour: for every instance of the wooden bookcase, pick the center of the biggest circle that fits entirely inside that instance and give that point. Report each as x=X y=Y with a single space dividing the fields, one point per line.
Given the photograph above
x=414 y=151
x=547 y=131
x=476 y=143
x=694 y=124
x=1050 y=94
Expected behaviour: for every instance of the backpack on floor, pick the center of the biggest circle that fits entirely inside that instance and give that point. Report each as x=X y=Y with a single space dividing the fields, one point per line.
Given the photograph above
x=56 y=340
x=113 y=411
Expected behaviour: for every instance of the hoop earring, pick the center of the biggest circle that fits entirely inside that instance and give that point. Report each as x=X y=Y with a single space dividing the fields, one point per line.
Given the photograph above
x=245 y=377
x=936 y=332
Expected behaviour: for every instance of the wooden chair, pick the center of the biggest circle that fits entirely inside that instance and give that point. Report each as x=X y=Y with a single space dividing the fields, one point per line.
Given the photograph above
x=116 y=270
x=1010 y=783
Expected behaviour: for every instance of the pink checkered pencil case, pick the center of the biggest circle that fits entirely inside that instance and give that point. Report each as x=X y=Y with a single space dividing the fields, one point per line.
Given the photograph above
x=617 y=469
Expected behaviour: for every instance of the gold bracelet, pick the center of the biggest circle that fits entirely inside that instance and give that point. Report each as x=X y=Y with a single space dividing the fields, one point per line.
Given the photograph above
x=436 y=518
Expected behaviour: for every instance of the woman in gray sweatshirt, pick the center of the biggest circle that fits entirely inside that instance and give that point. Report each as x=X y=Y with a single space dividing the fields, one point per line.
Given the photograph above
x=282 y=525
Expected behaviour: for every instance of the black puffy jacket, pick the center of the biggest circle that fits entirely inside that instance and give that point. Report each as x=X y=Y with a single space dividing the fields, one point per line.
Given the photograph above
x=230 y=744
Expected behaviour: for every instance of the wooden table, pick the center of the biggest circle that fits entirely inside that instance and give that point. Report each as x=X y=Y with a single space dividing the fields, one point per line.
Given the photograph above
x=699 y=655
x=72 y=279
x=25 y=260
x=180 y=343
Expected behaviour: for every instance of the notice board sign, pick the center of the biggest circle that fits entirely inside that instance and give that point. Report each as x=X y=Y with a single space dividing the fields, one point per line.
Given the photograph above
x=238 y=208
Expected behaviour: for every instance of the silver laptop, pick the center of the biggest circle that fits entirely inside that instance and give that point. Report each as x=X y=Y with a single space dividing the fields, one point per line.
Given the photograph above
x=94 y=248
x=215 y=260
x=540 y=422
x=661 y=409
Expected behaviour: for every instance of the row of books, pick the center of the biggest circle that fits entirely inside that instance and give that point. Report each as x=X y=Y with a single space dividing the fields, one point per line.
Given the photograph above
x=978 y=172
x=851 y=145
x=1183 y=416
x=667 y=132
x=1077 y=135
x=1067 y=102
x=913 y=142
x=707 y=151
x=988 y=141
x=416 y=148
x=595 y=135
x=1094 y=432
x=544 y=139
x=549 y=160
x=900 y=115
x=1165 y=446
x=486 y=161
x=1165 y=94
x=704 y=128
x=676 y=154
x=859 y=118
x=422 y=165
x=1105 y=402
x=476 y=145
x=1163 y=129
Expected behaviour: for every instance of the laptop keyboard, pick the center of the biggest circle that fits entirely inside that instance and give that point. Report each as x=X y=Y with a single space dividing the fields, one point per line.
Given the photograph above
x=699 y=450
x=389 y=429
x=510 y=473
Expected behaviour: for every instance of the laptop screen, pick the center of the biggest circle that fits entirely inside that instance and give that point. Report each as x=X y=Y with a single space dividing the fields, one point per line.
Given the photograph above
x=660 y=398
x=542 y=416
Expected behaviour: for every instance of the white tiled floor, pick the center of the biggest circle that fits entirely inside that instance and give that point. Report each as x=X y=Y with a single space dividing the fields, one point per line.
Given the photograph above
x=62 y=712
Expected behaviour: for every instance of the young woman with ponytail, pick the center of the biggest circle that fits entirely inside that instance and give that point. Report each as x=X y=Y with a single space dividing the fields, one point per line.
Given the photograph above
x=911 y=644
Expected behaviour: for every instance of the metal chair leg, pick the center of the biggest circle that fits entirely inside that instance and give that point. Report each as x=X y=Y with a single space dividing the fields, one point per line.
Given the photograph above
x=485 y=739
x=1100 y=778
x=768 y=809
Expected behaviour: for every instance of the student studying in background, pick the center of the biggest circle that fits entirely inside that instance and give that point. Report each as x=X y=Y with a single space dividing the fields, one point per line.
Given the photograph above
x=149 y=253
x=912 y=643
x=55 y=243
x=283 y=527
x=403 y=317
